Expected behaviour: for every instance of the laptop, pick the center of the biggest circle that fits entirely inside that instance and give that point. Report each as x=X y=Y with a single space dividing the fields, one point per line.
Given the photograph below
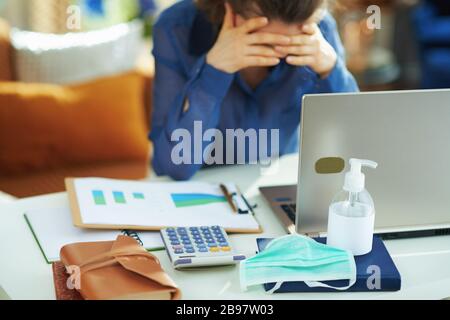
x=406 y=132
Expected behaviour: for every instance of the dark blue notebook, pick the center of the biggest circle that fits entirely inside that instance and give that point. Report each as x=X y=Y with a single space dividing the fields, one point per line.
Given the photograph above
x=378 y=262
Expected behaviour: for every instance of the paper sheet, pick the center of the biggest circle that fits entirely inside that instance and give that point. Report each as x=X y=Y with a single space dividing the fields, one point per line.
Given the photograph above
x=171 y=204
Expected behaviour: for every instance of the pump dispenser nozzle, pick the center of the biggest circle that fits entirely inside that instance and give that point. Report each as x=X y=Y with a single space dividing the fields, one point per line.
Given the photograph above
x=354 y=179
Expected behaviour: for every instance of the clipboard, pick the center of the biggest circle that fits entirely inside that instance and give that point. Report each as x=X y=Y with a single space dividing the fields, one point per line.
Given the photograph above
x=74 y=203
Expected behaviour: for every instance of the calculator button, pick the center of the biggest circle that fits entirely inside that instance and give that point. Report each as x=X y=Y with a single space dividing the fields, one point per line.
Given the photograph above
x=193 y=229
x=221 y=239
x=175 y=243
x=226 y=249
x=170 y=230
x=214 y=249
x=211 y=245
x=223 y=244
x=188 y=246
x=204 y=228
x=199 y=242
x=190 y=251
x=184 y=238
x=187 y=243
x=215 y=228
x=179 y=251
x=176 y=247
x=203 y=249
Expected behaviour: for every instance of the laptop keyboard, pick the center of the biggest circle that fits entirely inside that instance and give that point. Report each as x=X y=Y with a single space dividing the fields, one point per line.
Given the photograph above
x=290 y=210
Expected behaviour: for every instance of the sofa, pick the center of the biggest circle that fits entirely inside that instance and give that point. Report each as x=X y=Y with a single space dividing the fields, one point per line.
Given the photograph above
x=49 y=132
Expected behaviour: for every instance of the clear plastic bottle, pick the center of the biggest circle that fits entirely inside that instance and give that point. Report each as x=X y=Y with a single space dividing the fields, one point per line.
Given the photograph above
x=351 y=215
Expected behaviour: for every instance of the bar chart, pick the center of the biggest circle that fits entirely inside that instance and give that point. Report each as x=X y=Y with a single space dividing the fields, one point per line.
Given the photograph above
x=100 y=199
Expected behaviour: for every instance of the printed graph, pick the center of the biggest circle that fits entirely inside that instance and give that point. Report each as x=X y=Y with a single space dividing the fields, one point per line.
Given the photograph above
x=138 y=196
x=119 y=197
x=99 y=197
x=183 y=200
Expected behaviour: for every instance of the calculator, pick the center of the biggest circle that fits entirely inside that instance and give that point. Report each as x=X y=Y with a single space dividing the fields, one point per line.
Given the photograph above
x=199 y=247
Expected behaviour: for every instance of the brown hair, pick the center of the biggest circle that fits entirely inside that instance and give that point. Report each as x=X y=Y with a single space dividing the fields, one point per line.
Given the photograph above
x=288 y=11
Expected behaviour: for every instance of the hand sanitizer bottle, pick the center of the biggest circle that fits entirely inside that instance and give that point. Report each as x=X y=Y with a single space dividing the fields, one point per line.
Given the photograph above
x=351 y=215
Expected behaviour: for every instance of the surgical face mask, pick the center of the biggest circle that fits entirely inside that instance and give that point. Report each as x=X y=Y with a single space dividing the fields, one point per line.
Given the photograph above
x=298 y=258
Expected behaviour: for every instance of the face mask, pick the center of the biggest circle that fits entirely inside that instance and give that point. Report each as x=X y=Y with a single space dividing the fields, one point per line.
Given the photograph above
x=298 y=258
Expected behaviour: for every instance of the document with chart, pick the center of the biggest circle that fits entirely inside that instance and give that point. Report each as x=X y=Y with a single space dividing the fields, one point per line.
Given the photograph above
x=119 y=204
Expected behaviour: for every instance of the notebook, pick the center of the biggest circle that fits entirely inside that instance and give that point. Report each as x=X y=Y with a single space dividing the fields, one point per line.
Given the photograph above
x=53 y=228
x=119 y=204
x=367 y=267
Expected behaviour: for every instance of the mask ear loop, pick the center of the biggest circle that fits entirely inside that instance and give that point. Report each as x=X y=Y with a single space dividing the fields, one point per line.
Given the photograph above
x=275 y=288
x=352 y=280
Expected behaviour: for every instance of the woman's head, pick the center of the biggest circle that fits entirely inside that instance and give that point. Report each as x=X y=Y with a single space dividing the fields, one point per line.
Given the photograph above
x=288 y=12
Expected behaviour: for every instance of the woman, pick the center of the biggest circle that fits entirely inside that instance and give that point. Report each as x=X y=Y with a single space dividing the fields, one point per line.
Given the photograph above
x=239 y=64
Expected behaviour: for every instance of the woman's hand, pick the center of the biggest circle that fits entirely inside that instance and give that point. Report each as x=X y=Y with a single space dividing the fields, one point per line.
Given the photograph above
x=241 y=47
x=310 y=49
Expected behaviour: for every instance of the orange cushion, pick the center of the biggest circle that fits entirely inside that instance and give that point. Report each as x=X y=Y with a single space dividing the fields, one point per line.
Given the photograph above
x=48 y=126
x=6 y=68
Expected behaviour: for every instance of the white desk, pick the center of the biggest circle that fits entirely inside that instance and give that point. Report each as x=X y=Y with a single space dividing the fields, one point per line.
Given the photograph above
x=423 y=263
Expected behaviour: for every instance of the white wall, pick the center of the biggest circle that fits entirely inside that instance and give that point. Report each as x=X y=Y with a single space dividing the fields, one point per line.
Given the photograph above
x=16 y=11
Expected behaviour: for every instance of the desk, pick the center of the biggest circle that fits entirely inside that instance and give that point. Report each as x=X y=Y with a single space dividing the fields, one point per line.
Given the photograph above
x=423 y=263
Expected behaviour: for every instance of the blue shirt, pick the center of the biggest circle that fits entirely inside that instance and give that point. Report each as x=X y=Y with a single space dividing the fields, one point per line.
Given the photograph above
x=182 y=38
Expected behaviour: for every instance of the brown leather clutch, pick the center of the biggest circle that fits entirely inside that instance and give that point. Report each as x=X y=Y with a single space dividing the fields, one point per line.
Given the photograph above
x=116 y=270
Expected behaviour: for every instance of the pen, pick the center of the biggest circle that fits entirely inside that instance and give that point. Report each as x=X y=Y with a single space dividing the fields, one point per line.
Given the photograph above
x=229 y=197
